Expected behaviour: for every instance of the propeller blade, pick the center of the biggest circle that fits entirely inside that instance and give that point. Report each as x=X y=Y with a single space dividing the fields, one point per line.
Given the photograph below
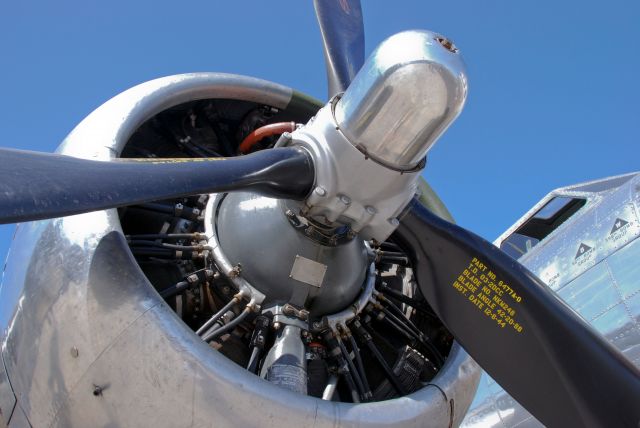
x=519 y=331
x=36 y=186
x=343 y=39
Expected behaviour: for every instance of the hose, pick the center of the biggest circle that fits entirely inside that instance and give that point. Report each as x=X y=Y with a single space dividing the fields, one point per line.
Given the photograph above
x=359 y=365
x=252 y=366
x=174 y=289
x=352 y=369
x=195 y=235
x=364 y=335
x=218 y=314
x=265 y=131
x=228 y=327
x=141 y=243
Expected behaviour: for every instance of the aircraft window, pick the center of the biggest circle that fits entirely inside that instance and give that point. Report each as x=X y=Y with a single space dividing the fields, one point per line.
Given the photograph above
x=552 y=207
x=540 y=225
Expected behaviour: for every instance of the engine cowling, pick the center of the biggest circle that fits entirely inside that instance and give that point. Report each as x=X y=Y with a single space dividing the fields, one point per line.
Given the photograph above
x=92 y=342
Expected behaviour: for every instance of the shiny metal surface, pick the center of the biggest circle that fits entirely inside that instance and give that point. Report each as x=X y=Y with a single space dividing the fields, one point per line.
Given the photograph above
x=19 y=419
x=408 y=92
x=245 y=289
x=87 y=341
x=286 y=363
x=601 y=284
x=242 y=218
x=340 y=319
x=7 y=398
x=351 y=188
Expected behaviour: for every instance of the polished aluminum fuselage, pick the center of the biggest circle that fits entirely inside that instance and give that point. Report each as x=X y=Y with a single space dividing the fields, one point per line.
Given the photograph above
x=87 y=341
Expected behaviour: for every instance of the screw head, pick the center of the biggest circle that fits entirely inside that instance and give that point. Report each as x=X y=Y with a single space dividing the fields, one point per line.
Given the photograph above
x=320 y=191
x=345 y=199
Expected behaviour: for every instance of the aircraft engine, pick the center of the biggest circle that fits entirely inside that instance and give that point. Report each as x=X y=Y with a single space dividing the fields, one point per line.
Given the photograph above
x=239 y=309
x=301 y=294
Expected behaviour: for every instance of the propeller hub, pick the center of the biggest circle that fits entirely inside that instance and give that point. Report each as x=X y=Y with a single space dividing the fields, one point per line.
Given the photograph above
x=369 y=144
x=405 y=96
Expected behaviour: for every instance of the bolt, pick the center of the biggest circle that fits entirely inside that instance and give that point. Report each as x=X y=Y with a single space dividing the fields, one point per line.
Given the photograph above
x=290 y=214
x=345 y=199
x=97 y=390
x=276 y=326
x=235 y=272
x=370 y=210
x=320 y=191
x=74 y=352
x=394 y=222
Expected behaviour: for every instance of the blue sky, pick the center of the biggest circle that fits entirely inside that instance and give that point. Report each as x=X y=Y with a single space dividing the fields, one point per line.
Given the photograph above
x=554 y=86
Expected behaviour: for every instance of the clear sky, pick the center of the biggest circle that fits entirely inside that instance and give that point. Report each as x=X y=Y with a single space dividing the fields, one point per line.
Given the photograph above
x=554 y=85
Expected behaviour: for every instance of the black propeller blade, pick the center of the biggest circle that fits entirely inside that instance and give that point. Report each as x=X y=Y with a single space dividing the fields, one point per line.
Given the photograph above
x=36 y=185
x=519 y=331
x=343 y=39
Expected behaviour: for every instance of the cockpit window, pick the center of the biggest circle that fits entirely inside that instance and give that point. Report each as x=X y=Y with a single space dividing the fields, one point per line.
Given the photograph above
x=540 y=225
x=552 y=207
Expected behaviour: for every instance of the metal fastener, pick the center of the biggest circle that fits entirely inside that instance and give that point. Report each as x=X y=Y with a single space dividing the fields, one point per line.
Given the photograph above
x=320 y=191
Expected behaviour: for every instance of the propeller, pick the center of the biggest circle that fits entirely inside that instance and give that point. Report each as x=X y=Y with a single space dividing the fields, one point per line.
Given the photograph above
x=519 y=331
x=343 y=40
x=36 y=186
x=535 y=346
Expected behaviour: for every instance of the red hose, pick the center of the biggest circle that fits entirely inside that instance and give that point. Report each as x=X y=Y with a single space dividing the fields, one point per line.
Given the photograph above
x=265 y=131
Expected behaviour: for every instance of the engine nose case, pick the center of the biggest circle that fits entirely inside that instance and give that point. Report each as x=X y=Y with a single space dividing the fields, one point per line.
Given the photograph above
x=283 y=263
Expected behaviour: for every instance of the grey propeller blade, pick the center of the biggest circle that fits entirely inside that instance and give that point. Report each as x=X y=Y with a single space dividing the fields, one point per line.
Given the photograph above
x=343 y=39
x=36 y=185
x=518 y=330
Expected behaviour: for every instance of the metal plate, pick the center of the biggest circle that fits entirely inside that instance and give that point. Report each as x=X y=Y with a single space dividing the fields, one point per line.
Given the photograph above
x=308 y=271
